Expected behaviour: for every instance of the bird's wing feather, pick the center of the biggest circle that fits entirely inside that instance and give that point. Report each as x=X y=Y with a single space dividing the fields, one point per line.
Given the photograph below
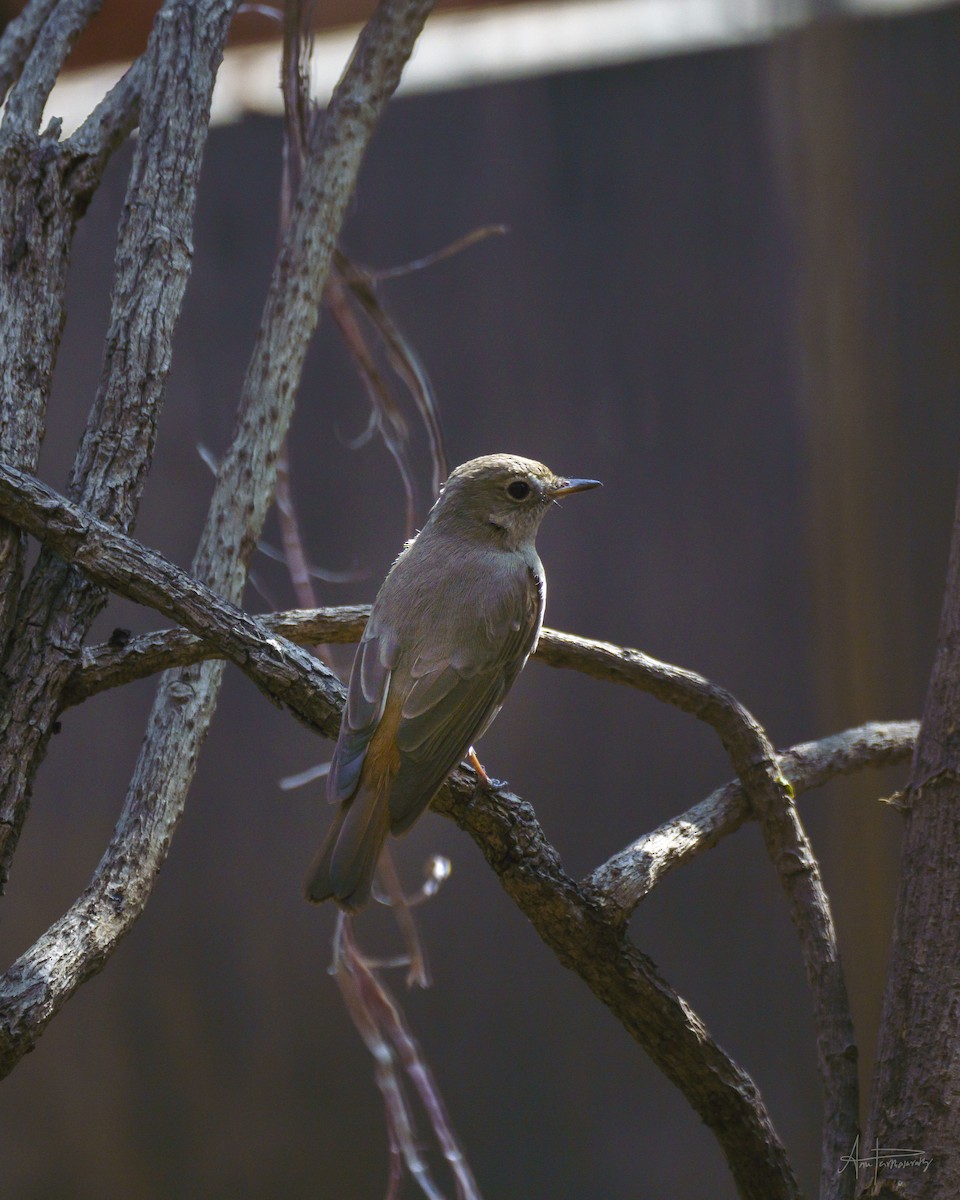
x=366 y=696
x=454 y=696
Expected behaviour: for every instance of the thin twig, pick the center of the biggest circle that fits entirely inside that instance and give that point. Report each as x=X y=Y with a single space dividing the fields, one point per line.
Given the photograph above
x=417 y=1068
x=391 y=1043
x=367 y=1000
x=404 y=361
x=418 y=970
x=377 y=274
x=386 y=415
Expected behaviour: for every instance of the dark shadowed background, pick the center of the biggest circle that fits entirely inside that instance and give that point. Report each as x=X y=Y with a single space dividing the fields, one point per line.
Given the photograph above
x=730 y=291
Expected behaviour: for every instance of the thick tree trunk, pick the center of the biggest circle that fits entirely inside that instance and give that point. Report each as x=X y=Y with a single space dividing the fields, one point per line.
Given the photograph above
x=916 y=1100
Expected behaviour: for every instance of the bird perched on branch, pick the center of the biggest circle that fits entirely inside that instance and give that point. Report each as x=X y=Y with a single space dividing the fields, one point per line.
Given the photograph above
x=454 y=622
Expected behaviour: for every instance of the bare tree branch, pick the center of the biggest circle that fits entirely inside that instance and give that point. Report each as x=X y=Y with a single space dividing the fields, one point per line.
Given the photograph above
x=216 y=628
x=381 y=1024
x=153 y=257
x=113 y=119
x=770 y=797
x=79 y=943
x=361 y=285
x=52 y=43
x=625 y=879
x=44 y=188
x=918 y=1070
x=287 y=674
x=112 y=664
x=576 y=930
x=18 y=39
x=56 y=181
x=37 y=217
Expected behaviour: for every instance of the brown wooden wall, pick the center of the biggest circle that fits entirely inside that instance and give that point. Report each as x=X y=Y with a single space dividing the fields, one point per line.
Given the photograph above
x=779 y=491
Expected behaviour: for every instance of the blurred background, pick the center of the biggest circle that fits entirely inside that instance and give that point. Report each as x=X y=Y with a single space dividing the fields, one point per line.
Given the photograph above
x=730 y=290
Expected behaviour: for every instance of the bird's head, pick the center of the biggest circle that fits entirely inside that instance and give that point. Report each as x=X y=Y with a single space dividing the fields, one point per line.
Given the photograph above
x=501 y=496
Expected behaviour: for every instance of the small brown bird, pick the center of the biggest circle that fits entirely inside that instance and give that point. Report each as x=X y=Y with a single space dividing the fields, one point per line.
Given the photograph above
x=454 y=622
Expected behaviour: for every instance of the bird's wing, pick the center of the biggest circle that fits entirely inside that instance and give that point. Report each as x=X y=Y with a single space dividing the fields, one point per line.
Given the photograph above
x=453 y=696
x=366 y=697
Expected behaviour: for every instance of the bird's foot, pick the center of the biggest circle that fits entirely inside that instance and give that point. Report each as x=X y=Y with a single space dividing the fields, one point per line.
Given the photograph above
x=483 y=779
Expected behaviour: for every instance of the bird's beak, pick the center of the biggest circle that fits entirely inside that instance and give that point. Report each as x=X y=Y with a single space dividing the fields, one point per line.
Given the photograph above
x=565 y=487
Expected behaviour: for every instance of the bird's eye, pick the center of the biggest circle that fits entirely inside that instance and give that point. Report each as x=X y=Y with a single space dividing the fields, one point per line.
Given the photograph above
x=518 y=490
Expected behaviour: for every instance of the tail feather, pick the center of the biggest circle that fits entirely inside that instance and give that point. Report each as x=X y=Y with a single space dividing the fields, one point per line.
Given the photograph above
x=347 y=860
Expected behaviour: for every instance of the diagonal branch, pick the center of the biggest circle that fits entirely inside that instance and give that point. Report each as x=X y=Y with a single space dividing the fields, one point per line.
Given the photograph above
x=52 y=43
x=153 y=256
x=771 y=800
x=625 y=879
x=507 y=832
x=288 y=674
x=113 y=119
x=77 y=946
x=124 y=659
x=215 y=628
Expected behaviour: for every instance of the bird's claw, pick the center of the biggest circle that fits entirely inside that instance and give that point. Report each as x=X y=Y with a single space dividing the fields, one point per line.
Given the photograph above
x=487 y=782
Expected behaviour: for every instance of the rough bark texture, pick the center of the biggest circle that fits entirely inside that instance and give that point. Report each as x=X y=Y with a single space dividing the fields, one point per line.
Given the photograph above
x=916 y=1098
x=726 y=1098
x=628 y=876
x=78 y=945
x=287 y=674
x=57 y=604
x=39 y=204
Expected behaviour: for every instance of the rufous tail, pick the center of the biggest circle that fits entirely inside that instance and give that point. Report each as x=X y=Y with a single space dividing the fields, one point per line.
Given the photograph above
x=347 y=861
